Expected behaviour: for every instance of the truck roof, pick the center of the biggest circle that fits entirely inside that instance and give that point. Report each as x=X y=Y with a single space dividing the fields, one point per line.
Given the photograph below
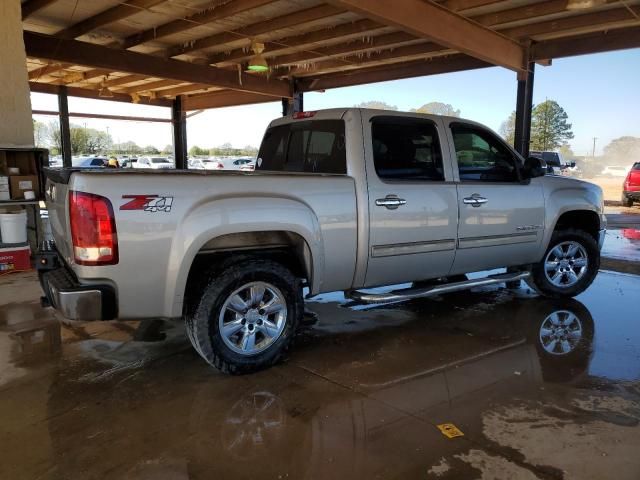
x=338 y=113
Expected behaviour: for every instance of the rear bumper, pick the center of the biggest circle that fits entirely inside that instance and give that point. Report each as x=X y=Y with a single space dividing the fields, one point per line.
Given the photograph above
x=633 y=194
x=71 y=299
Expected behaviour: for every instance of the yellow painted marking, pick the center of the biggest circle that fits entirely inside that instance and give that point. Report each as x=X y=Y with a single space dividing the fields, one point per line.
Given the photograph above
x=449 y=430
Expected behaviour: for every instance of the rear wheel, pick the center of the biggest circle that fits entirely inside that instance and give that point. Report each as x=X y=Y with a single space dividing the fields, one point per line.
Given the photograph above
x=246 y=316
x=569 y=265
x=626 y=201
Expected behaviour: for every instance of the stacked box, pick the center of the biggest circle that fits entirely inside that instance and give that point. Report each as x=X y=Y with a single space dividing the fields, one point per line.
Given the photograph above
x=15 y=258
x=26 y=174
x=4 y=188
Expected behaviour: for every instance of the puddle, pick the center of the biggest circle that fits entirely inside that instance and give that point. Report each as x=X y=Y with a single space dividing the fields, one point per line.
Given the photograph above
x=623 y=244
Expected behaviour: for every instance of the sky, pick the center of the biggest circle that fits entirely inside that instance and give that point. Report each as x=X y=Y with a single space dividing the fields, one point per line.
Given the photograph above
x=600 y=93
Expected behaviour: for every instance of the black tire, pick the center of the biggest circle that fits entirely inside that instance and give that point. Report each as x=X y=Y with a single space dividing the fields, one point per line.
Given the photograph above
x=202 y=323
x=538 y=279
x=626 y=201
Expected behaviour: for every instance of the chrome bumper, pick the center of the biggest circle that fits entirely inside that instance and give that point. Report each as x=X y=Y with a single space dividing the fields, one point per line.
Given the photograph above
x=73 y=300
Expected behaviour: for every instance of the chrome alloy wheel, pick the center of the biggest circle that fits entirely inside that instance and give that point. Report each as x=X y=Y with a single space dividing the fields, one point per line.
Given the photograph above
x=566 y=264
x=560 y=332
x=252 y=318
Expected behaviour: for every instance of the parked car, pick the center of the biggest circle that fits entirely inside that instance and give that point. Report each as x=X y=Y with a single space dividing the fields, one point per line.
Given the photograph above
x=341 y=200
x=155 y=163
x=206 y=164
x=245 y=164
x=90 y=162
x=552 y=159
x=615 y=171
x=631 y=186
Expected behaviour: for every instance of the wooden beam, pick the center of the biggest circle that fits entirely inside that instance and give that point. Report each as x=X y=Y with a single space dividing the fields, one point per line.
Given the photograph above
x=285 y=21
x=618 y=39
x=118 y=81
x=452 y=63
x=595 y=19
x=173 y=92
x=87 y=93
x=32 y=6
x=127 y=118
x=149 y=86
x=340 y=33
x=442 y=26
x=82 y=53
x=218 y=10
x=223 y=98
x=46 y=70
x=113 y=14
x=399 y=54
x=348 y=48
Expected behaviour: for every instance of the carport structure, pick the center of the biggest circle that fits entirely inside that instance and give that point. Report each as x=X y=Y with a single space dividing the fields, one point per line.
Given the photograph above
x=195 y=54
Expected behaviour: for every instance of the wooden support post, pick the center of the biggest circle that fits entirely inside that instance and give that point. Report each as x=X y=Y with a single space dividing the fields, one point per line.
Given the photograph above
x=65 y=129
x=179 y=122
x=524 y=105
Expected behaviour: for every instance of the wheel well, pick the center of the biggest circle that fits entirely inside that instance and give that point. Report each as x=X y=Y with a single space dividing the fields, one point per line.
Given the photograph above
x=287 y=248
x=584 y=220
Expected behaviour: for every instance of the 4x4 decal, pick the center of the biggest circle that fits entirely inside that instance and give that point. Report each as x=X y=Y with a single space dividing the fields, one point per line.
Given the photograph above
x=148 y=203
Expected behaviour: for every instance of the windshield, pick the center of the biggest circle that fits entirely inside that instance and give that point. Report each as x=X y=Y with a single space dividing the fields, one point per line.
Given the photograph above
x=160 y=160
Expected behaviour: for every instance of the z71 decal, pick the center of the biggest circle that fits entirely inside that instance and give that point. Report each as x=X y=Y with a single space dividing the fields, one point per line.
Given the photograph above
x=147 y=203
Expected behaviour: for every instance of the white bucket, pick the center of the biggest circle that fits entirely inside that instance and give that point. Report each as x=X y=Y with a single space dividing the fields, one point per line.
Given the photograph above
x=13 y=227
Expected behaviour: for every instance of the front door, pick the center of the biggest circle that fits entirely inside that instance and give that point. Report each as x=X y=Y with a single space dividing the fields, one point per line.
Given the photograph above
x=412 y=199
x=501 y=217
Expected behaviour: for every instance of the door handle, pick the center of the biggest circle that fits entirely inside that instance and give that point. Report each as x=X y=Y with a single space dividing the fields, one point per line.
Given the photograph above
x=391 y=202
x=474 y=200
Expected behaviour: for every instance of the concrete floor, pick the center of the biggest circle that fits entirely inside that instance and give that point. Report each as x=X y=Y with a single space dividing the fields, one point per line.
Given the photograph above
x=360 y=396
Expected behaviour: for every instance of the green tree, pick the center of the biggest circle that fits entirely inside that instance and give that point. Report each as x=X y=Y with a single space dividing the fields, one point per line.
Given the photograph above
x=40 y=134
x=438 y=108
x=83 y=140
x=197 y=151
x=167 y=150
x=508 y=129
x=378 y=105
x=566 y=152
x=549 y=126
x=623 y=150
x=150 y=150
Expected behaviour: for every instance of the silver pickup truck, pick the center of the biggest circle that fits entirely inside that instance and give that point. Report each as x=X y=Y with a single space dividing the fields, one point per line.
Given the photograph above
x=341 y=200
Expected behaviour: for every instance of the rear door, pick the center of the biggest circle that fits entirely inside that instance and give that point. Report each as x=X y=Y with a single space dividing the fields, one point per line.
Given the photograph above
x=412 y=199
x=501 y=217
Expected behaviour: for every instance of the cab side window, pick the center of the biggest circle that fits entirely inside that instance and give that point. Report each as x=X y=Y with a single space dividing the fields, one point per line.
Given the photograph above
x=406 y=149
x=482 y=157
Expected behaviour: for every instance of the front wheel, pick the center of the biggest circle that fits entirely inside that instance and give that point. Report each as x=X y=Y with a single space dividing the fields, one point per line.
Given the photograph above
x=569 y=265
x=246 y=316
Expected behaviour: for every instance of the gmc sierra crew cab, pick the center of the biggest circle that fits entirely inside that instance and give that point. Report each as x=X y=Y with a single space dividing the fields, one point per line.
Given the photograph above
x=340 y=200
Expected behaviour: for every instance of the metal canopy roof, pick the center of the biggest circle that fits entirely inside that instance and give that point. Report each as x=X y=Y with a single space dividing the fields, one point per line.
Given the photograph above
x=151 y=51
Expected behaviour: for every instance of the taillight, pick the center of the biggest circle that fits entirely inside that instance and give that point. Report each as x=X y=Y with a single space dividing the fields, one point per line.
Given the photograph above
x=93 y=229
x=220 y=166
x=299 y=115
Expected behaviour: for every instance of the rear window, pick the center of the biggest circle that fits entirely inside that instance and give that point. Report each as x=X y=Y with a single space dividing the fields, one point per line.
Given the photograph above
x=636 y=166
x=316 y=146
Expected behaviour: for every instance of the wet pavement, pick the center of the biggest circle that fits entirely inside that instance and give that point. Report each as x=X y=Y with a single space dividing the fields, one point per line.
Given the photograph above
x=539 y=388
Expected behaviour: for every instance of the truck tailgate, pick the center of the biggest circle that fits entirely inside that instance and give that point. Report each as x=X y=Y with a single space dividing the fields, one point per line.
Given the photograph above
x=56 y=196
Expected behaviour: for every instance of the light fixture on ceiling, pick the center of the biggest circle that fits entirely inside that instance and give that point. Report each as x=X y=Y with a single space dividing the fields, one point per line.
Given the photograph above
x=104 y=90
x=584 y=4
x=258 y=63
x=135 y=98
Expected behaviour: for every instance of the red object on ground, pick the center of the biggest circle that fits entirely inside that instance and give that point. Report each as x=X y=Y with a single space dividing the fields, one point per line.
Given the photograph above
x=15 y=258
x=631 y=233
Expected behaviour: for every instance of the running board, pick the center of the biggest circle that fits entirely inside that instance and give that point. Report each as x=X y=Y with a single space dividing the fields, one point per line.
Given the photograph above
x=411 y=293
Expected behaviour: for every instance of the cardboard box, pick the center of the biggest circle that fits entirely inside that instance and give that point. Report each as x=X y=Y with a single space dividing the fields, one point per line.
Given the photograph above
x=25 y=161
x=21 y=183
x=15 y=258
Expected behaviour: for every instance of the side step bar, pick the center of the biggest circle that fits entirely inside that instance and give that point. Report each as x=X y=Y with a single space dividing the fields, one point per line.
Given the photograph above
x=411 y=293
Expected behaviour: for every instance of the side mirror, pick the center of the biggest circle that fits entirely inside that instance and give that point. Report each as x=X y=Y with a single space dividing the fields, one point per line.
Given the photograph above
x=534 y=167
